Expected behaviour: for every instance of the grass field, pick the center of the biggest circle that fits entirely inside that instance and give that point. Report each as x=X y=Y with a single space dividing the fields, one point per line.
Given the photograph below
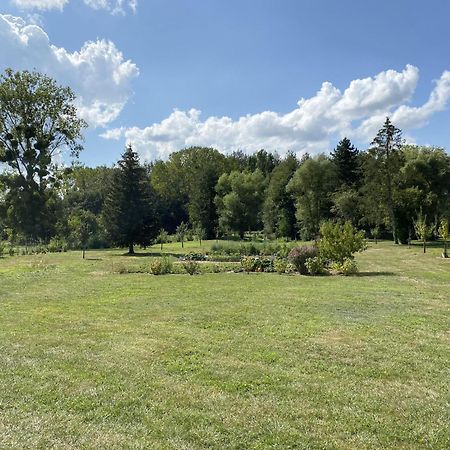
x=94 y=359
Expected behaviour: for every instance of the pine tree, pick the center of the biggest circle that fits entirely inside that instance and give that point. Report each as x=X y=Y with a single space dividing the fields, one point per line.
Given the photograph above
x=129 y=211
x=346 y=158
x=386 y=150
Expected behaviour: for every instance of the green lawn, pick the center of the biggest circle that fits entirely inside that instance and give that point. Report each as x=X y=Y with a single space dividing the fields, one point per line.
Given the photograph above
x=94 y=359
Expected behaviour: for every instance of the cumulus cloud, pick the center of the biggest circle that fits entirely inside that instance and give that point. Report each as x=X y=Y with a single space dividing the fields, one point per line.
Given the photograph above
x=42 y=5
x=112 y=6
x=313 y=126
x=98 y=72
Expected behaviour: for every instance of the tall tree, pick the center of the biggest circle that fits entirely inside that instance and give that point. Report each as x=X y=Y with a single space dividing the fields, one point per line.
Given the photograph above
x=129 y=209
x=346 y=158
x=386 y=151
x=311 y=187
x=279 y=206
x=239 y=201
x=37 y=120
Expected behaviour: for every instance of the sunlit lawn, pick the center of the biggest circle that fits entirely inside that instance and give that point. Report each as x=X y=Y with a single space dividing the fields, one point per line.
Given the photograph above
x=94 y=359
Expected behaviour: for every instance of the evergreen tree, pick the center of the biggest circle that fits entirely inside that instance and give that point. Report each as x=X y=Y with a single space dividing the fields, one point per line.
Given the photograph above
x=386 y=152
x=129 y=209
x=346 y=158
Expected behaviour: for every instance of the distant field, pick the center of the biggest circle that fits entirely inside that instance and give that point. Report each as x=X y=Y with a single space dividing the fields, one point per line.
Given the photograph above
x=95 y=359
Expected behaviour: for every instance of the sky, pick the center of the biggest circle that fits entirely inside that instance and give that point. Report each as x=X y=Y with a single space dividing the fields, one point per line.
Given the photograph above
x=281 y=75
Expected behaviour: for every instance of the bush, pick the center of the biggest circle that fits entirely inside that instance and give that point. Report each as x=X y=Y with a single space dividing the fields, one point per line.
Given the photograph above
x=315 y=265
x=280 y=265
x=194 y=257
x=340 y=241
x=11 y=251
x=161 y=266
x=299 y=255
x=2 y=249
x=57 y=245
x=191 y=266
x=347 y=267
x=257 y=264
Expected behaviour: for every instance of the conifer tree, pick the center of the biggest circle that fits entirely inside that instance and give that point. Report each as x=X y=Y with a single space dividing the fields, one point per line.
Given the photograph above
x=345 y=157
x=129 y=211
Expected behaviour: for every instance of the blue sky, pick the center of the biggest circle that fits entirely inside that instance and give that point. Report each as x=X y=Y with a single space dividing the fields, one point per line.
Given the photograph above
x=172 y=73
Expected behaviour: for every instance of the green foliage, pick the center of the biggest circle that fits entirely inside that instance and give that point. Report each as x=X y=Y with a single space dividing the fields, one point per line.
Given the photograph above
x=346 y=159
x=312 y=186
x=346 y=267
x=181 y=232
x=444 y=233
x=2 y=249
x=298 y=257
x=280 y=265
x=82 y=225
x=57 y=245
x=239 y=201
x=37 y=120
x=257 y=264
x=340 y=241
x=161 y=266
x=191 y=266
x=315 y=265
x=129 y=213
x=423 y=230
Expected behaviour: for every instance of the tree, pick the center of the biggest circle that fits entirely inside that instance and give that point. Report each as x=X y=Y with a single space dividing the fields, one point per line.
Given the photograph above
x=83 y=225
x=444 y=234
x=386 y=151
x=423 y=230
x=181 y=232
x=162 y=237
x=37 y=120
x=239 y=201
x=199 y=233
x=311 y=187
x=346 y=158
x=129 y=209
x=279 y=206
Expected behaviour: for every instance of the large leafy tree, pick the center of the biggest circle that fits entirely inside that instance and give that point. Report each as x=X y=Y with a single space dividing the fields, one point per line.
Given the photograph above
x=383 y=166
x=311 y=187
x=279 y=206
x=38 y=120
x=239 y=201
x=129 y=209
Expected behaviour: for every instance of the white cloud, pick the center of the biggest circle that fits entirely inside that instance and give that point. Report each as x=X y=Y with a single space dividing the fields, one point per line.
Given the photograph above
x=112 y=6
x=313 y=126
x=98 y=72
x=40 y=4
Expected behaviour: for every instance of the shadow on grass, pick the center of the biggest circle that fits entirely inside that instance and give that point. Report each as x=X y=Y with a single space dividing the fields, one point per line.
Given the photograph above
x=93 y=259
x=151 y=254
x=374 y=274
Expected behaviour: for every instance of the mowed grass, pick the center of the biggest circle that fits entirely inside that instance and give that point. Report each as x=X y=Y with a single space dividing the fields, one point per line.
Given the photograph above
x=94 y=359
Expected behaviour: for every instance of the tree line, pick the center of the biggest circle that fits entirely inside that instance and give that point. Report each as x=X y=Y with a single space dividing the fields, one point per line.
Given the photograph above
x=389 y=189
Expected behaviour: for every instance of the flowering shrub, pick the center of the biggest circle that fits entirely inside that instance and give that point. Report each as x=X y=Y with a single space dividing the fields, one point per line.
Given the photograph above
x=160 y=266
x=348 y=267
x=299 y=255
x=315 y=265
x=191 y=266
x=257 y=264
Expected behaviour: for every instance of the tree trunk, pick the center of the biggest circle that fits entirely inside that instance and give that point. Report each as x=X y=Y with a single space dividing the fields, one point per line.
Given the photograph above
x=424 y=246
x=84 y=252
x=445 y=255
x=161 y=245
x=182 y=243
x=131 y=249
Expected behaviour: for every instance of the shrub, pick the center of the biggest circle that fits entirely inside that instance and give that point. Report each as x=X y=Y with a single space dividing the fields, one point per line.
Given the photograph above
x=298 y=256
x=191 y=266
x=161 y=266
x=194 y=257
x=257 y=264
x=11 y=251
x=2 y=249
x=280 y=265
x=57 y=245
x=315 y=265
x=340 y=241
x=347 y=267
